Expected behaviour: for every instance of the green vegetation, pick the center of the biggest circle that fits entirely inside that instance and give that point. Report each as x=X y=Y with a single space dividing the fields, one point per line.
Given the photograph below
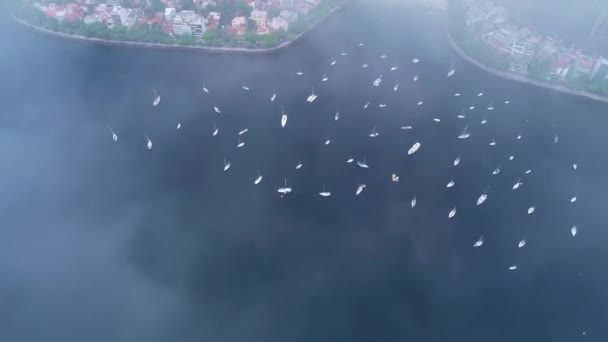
x=482 y=52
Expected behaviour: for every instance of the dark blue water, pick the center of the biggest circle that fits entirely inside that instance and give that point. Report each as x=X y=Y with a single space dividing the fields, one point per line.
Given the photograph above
x=110 y=241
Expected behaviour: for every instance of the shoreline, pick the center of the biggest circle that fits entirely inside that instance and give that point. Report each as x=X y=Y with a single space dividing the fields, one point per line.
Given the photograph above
x=524 y=79
x=161 y=46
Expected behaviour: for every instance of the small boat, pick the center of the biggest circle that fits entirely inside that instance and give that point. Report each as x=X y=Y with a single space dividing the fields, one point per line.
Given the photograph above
x=299 y=166
x=416 y=77
x=394 y=177
x=343 y=53
x=284 y=190
x=299 y=73
x=573 y=231
x=517 y=184
x=312 y=96
x=360 y=44
x=452 y=213
x=363 y=164
x=518 y=137
x=479 y=242
x=492 y=143
x=511 y=157
x=482 y=198
x=490 y=107
x=531 y=210
x=512 y=267
x=450 y=184
x=244 y=131
x=240 y=143
x=415 y=60
x=556 y=139
x=419 y=103
x=324 y=193
x=377 y=81
x=452 y=71
x=480 y=93
x=496 y=170
x=465 y=133
x=393 y=68
x=436 y=119
x=114 y=135
x=457 y=94
x=575 y=166
x=324 y=78
x=461 y=115
x=179 y=125
x=528 y=172
x=205 y=88
x=484 y=121
x=327 y=142
x=507 y=101
x=414 y=148
x=149 y=144
x=382 y=105
x=366 y=105
x=226 y=165
x=457 y=161
x=333 y=63
x=217 y=109
x=245 y=87
x=374 y=134
x=360 y=189
x=336 y=116
x=364 y=66
x=258 y=179
x=350 y=160
x=573 y=199
x=215 y=130
x=156 y=99
x=396 y=87
x=521 y=243
x=472 y=107
x=273 y=97
x=283 y=119
x=406 y=127
x=413 y=202
x=383 y=56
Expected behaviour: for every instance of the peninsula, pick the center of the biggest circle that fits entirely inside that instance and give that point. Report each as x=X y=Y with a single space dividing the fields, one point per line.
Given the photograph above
x=232 y=26
x=484 y=34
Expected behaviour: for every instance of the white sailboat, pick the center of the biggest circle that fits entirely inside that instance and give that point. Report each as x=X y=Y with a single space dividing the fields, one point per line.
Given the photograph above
x=517 y=184
x=258 y=179
x=299 y=73
x=273 y=97
x=507 y=101
x=360 y=189
x=215 y=130
x=226 y=165
x=471 y=107
x=465 y=133
x=511 y=157
x=333 y=63
x=452 y=71
x=528 y=172
x=482 y=198
x=493 y=142
x=413 y=202
x=406 y=127
x=240 y=143
x=394 y=67
x=479 y=242
x=156 y=99
x=531 y=210
x=149 y=143
x=374 y=134
x=413 y=149
x=436 y=119
x=383 y=56
x=573 y=199
x=217 y=109
x=512 y=267
x=575 y=166
x=377 y=81
x=556 y=139
x=179 y=125
x=366 y=105
x=457 y=161
x=343 y=53
x=496 y=170
x=337 y=115
x=245 y=87
x=521 y=243
x=518 y=137
x=285 y=189
x=396 y=87
x=420 y=103
x=360 y=44
x=461 y=115
x=450 y=183
x=363 y=164
x=415 y=60
x=573 y=231
x=490 y=107
x=324 y=78
x=324 y=193
x=480 y=93
x=484 y=121
x=205 y=88
x=299 y=166
x=457 y=94
x=452 y=213
x=382 y=105
x=312 y=96
x=114 y=135
x=244 y=131
x=327 y=141
x=283 y=118
x=364 y=66
x=350 y=160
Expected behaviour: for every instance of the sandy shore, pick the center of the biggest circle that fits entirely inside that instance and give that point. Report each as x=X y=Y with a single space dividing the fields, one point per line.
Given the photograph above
x=204 y=49
x=524 y=79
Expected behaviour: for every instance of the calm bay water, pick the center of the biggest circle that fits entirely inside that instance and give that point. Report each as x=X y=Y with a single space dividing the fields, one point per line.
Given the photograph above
x=111 y=241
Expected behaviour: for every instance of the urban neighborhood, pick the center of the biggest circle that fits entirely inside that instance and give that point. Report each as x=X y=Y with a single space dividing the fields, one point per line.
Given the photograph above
x=499 y=42
x=248 y=23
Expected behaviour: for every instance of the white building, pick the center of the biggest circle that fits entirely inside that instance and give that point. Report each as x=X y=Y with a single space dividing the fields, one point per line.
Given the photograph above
x=169 y=14
x=288 y=16
x=188 y=23
x=113 y=2
x=90 y=19
x=279 y=23
x=260 y=17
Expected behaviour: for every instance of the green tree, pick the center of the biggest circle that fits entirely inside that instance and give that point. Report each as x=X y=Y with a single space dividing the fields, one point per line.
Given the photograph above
x=211 y=35
x=273 y=12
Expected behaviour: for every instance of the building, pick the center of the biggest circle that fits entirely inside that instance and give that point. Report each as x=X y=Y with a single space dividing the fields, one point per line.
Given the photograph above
x=522 y=54
x=188 y=23
x=600 y=69
x=169 y=14
x=260 y=17
x=278 y=23
x=288 y=16
x=113 y=2
x=239 y=21
x=582 y=67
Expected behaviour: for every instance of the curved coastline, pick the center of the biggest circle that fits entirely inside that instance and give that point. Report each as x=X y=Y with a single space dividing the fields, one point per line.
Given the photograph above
x=160 y=46
x=522 y=78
